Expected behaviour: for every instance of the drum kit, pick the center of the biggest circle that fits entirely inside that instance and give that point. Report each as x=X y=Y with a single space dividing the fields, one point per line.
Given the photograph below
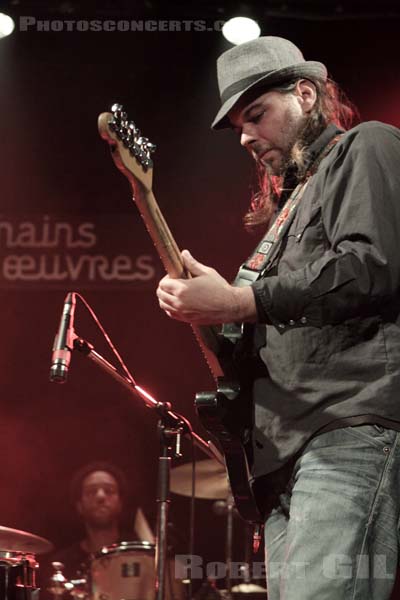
x=124 y=571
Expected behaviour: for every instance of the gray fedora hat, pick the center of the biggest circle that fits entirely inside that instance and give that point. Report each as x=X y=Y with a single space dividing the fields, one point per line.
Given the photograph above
x=265 y=62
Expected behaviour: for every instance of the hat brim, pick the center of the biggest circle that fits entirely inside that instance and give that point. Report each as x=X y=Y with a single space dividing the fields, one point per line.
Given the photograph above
x=308 y=70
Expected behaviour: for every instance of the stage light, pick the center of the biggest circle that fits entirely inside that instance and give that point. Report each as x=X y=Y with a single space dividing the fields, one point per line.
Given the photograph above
x=7 y=25
x=241 y=29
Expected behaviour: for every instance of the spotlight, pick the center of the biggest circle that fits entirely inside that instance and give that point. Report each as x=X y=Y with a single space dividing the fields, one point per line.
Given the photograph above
x=241 y=29
x=6 y=25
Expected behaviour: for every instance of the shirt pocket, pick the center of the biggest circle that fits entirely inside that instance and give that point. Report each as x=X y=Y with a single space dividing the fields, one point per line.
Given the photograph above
x=306 y=240
x=306 y=220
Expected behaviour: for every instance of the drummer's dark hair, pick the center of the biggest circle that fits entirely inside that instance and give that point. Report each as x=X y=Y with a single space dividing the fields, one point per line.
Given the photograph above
x=83 y=472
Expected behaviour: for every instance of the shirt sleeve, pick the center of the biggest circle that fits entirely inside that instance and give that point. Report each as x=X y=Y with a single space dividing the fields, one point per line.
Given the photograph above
x=360 y=211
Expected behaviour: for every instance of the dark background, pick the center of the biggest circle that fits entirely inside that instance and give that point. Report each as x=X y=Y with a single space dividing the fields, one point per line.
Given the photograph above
x=52 y=160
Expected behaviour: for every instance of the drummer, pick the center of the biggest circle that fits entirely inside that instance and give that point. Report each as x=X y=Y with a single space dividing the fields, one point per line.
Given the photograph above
x=99 y=492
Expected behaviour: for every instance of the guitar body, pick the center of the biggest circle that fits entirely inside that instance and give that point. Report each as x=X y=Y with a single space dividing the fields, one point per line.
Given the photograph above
x=227 y=413
x=220 y=414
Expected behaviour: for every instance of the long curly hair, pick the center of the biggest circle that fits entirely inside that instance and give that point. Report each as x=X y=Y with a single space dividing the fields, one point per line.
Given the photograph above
x=331 y=106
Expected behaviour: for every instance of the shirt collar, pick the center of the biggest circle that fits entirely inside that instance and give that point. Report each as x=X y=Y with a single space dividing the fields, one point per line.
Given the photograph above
x=313 y=152
x=322 y=140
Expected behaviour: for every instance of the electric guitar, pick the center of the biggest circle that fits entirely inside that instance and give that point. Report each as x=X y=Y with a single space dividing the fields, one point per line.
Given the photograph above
x=226 y=413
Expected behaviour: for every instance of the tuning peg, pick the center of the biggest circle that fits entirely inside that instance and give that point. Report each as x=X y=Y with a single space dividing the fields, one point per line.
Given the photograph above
x=112 y=123
x=147 y=163
x=133 y=149
x=151 y=147
x=118 y=114
x=133 y=130
x=146 y=145
x=125 y=140
x=124 y=129
x=117 y=108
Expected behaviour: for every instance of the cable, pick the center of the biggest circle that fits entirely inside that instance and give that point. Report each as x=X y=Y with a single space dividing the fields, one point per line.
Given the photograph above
x=107 y=338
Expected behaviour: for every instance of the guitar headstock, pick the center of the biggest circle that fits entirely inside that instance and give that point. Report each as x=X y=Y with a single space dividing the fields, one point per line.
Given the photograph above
x=130 y=150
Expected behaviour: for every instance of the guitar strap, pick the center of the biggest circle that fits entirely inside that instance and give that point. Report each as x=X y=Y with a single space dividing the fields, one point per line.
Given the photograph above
x=261 y=260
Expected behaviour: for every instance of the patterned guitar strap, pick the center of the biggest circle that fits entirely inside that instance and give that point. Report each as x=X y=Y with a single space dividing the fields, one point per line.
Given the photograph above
x=263 y=256
x=261 y=260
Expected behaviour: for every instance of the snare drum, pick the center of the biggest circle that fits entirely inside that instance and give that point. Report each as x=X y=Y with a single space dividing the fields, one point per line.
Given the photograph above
x=18 y=576
x=126 y=571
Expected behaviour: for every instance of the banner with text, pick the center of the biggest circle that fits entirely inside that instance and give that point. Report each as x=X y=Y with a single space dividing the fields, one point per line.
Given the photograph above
x=55 y=252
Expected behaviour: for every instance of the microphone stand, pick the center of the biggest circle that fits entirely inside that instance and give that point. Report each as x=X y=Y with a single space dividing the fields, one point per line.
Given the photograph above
x=171 y=427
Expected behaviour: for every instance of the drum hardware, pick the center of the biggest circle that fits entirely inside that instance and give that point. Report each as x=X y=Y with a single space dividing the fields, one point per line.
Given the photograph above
x=249 y=591
x=208 y=591
x=59 y=584
x=211 y=483
x=18 y=576
x=57 y=581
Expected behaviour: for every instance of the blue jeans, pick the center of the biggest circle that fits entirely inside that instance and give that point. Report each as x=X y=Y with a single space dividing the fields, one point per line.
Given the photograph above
x=335 y=533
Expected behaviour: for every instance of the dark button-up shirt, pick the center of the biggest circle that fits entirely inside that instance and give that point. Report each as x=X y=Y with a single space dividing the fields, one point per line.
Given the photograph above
x=331 y=304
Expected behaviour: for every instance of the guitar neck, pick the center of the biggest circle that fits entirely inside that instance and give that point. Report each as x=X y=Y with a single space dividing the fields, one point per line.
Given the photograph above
x=170 y=255
x=131 y=155
x=159 y=231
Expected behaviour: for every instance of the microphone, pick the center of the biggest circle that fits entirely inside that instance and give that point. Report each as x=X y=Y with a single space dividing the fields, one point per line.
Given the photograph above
x=63 y=342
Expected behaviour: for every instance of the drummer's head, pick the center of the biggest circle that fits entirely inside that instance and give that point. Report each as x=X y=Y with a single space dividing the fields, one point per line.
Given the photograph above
x=98 y=491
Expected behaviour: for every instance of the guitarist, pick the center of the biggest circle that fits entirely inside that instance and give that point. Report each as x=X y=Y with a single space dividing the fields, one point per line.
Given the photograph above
x=324 y=292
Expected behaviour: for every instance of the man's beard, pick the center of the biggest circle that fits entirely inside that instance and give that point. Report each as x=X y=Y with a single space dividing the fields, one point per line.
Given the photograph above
x=295 y=134
x=295 y=161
